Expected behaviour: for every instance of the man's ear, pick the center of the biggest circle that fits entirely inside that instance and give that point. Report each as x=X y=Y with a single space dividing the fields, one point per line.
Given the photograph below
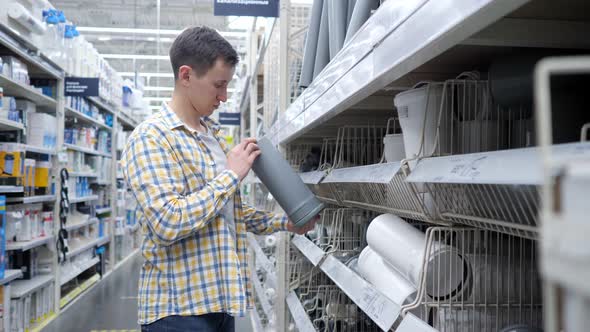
x=184 y=75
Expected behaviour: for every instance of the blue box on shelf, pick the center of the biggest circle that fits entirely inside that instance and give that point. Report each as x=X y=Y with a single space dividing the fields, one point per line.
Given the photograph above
x=101 y=227
x=2 y=235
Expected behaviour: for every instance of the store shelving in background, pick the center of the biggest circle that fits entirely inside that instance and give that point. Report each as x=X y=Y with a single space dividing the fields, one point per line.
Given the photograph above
x=38 y=78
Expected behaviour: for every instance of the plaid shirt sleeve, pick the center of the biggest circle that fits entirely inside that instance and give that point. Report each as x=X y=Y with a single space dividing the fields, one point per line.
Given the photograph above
x=261 y=222
x=155 y=177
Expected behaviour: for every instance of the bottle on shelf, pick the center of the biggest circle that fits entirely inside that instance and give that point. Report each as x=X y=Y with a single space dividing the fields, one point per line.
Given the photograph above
x=69 y=49
x=61 y=38
x=50 y=43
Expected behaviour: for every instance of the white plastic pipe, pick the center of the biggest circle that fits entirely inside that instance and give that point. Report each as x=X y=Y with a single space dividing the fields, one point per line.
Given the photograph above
x=270 y=241
x=404 y=248
x=385 y=278
x=19 y=13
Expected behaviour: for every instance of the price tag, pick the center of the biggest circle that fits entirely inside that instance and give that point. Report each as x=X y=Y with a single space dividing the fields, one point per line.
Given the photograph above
x=62 y=156
x=372 y=302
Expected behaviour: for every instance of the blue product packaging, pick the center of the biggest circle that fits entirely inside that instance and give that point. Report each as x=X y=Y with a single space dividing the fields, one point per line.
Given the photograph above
x=2 y=235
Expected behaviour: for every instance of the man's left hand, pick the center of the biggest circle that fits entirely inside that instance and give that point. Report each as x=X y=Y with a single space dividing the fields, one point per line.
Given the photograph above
x=305 y=228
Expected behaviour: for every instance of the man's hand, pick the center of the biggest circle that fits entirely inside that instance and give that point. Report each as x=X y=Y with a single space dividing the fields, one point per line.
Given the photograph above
x=241 y=157
x=305 y=228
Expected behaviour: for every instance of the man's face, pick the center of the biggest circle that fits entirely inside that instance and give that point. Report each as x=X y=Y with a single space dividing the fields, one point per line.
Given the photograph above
x=208 y=91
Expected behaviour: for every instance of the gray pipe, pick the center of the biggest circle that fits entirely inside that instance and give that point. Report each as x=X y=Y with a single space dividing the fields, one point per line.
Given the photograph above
x=285 y=185
x=351 y=4
x=360 y=14
x=311 y=44
x=322 y=55
x=337 y=15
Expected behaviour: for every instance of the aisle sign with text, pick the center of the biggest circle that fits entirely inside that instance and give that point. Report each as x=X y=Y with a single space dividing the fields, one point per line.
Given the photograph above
x=263 y=8
x=81 y=86
x=229 y=119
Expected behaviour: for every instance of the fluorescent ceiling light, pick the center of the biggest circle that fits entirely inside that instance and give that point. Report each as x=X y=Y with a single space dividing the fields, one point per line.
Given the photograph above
x=156 y=98
x=104 y=38
x=239 y=34
x=132 y=74
x=135 y=56
x=158 y=88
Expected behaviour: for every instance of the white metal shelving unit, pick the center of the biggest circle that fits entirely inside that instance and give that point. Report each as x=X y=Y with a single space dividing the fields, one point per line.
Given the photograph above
x=86 y=150
x=90 y=198
x=400 y=45
x=16 y=44
x=29 y=244
x=90 y=263
x=10 y=275
x=85 y=118
x=32 y=199
x=90 y=221
x=22 y=288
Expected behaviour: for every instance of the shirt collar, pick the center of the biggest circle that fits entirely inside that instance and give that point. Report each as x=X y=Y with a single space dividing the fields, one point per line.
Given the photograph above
x=174 y=122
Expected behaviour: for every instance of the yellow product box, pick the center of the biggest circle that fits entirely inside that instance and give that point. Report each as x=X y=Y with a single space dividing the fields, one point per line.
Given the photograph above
x=12 y=164
x=42 y=169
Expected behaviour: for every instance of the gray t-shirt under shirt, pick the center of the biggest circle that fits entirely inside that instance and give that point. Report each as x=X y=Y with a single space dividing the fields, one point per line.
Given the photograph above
x=220 y=160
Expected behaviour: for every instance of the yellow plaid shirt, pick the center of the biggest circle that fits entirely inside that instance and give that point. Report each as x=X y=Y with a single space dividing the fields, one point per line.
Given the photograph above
x=192 y=264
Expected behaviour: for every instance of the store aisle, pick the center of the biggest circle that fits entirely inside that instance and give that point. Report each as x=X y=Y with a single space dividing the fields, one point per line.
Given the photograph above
x=112 y=305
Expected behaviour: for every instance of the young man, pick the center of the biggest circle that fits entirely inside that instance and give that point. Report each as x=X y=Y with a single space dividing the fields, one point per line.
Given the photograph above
x=196 y=275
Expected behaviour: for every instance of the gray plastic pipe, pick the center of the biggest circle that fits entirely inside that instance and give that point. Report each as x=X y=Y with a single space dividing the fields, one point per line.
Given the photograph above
x=322 y=55
x=337 y=15
x=285 y=185
x=311 y=44
x=360 y=14
x=351 y=4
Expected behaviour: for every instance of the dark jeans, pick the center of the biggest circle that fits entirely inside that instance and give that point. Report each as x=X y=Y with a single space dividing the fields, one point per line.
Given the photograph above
x=215 y=322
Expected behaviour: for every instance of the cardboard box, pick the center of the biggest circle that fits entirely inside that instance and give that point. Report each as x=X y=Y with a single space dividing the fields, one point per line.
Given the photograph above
x=12 y=164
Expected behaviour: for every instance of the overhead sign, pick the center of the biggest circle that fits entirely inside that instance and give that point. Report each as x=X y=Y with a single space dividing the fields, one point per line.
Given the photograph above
x=81 y=86
x=264 y=8
x=229 y=119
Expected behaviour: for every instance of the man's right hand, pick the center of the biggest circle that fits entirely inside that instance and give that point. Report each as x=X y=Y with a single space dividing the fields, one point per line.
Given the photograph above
x=241 y=157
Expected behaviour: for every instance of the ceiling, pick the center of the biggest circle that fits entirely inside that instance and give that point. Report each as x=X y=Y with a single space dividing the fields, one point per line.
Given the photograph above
x=142 y=17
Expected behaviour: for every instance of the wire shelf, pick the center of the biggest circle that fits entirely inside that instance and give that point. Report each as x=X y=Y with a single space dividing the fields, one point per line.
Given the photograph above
x=496 y=286
x=328 y=308
x=341 y=231
x=464 y=119
x=510 y=209
x=381 y=188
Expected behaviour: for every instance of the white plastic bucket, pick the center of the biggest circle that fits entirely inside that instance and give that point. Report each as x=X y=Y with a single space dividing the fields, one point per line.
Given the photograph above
x=418 y=111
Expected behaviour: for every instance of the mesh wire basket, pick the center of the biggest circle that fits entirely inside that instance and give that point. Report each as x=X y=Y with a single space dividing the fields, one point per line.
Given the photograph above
x=468 y=122
x=497 y=286
x=328 y=308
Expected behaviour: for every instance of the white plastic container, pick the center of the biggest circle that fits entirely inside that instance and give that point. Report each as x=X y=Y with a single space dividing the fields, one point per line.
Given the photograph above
x=14 y=219
x=393 y=144
x=24 y=17
x=25 y=233
x=404 y=247
x=418 y=111
x=385 y=278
